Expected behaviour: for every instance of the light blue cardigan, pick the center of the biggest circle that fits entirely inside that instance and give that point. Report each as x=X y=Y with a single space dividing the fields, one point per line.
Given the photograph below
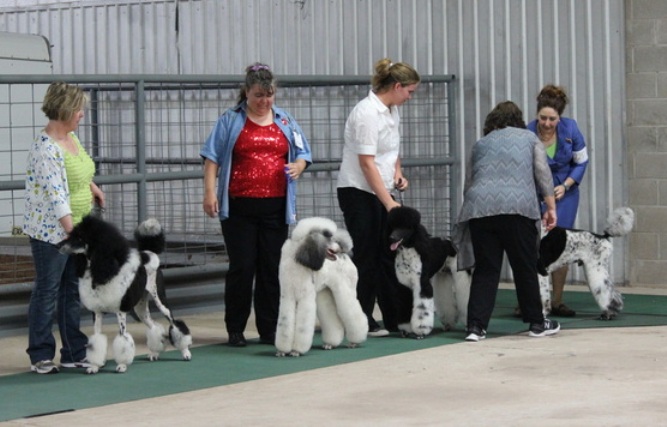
x=219 y=147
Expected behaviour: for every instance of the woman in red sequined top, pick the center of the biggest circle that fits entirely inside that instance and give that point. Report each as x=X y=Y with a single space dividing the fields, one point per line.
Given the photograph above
x=252 y=158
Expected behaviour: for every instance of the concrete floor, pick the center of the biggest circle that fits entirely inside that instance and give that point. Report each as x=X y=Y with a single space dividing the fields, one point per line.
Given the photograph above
x=595 y=377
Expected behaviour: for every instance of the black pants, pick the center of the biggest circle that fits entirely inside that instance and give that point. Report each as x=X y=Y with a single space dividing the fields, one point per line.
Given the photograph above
x=254 y=234
x=492 y=236
x=366 y=221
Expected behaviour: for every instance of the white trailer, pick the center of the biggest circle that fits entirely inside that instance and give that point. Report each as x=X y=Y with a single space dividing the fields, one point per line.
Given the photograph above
x=21 y=117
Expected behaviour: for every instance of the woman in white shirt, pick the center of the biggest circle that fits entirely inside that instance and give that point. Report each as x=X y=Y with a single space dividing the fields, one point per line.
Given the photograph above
x=370 y=170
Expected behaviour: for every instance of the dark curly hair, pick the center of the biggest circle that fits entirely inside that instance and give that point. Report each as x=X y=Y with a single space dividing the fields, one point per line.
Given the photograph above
x=505 y=114
x=552 y=96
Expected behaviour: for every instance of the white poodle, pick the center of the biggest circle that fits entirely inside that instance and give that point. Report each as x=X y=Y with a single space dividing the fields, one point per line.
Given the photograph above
x=318 y=279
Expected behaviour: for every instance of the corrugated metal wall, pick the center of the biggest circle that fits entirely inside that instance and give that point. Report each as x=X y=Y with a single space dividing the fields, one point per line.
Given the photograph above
x=498 y=49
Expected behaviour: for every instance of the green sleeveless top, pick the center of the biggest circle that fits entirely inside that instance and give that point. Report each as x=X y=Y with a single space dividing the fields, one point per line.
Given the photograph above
x=80 y=171
x=551 y=150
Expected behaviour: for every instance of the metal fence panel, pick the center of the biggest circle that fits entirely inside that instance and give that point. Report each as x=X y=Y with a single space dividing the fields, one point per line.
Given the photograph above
x=145 y=133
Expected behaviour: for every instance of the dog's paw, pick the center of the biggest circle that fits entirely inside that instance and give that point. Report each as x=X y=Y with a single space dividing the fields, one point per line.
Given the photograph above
x=91 y=370
x=153 y=356
x=607 y=316
x=327 y=346
x=352 y=345
x=405 y=334
x=281 y=354
x=122 y=368
x=294 y=353
x=187 y=356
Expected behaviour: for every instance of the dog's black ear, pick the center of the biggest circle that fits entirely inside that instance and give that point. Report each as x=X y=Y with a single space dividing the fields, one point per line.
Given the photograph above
x=81 y=263
x=103 y=268
x=551 y=247
x=541 y=269
x=450 y=248
x=311 y=253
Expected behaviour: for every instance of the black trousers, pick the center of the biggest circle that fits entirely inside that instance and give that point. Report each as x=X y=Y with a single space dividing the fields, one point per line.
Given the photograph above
x=366 y=221
x=254 y=234
x=492 y=236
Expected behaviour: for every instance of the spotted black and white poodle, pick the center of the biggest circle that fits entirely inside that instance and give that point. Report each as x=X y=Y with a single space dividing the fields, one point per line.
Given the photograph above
x=116 y=278
x=318 y=280
x=563 y=246
x=426 y=265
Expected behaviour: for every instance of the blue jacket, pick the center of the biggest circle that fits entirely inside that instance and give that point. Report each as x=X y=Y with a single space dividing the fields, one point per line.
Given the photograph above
x=570 y=160
x=219 y=147
x=571 y=157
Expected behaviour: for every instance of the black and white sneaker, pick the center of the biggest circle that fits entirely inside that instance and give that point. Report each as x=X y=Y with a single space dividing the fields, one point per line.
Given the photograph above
x=475 y=333
x=378 y=332
x=546 y=328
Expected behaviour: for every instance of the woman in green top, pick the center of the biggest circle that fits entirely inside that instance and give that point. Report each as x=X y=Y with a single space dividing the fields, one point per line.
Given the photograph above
x=59 y=191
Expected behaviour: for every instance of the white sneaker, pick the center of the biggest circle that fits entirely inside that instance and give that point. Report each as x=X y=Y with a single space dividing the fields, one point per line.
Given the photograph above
x=80 y=364
x=44 y=367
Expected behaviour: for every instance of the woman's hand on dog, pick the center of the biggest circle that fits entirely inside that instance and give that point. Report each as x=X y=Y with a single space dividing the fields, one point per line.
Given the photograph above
x=549 y=219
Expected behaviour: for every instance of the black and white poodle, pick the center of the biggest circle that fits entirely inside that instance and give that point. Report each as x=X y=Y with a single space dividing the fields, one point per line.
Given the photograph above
x=116 y=278
x=427 y=266
x=563 y=246
x=318 y=280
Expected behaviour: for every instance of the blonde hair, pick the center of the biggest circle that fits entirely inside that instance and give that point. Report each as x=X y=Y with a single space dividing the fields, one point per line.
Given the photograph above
x=62 y=101
x=388 y=73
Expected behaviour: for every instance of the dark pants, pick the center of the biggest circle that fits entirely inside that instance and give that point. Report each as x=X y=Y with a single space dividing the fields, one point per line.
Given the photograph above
x=366 y=221
x=56 y=289
x=254 y=234
x=492 y=236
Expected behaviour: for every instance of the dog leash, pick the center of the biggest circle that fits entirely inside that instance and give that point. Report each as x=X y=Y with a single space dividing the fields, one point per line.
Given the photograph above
x=399 y=196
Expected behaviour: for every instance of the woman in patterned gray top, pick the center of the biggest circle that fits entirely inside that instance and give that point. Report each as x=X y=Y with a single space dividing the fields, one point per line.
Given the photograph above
x=501 y=214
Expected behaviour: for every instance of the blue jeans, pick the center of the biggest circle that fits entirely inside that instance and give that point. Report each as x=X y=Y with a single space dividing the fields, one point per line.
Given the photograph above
x=56 y=283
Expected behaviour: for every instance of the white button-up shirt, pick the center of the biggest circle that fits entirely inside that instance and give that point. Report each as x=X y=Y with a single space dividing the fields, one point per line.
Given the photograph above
x=371 y=129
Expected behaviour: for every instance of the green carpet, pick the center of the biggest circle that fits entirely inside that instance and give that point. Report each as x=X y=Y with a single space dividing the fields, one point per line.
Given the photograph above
x=27 y=394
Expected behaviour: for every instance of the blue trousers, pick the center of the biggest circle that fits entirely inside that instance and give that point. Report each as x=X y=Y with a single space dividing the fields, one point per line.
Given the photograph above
x=56 y=291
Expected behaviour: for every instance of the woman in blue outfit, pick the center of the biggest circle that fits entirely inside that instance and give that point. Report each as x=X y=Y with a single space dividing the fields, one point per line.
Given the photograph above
x=567 y=158
x=252 y=159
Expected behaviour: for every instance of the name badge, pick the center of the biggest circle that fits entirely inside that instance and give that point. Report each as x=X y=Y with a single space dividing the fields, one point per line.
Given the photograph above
x=297 y=140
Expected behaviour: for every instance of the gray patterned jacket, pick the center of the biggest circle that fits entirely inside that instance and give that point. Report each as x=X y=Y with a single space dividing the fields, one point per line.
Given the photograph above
x=506 y=173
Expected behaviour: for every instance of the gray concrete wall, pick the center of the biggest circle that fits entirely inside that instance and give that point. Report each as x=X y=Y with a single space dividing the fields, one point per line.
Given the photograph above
x=646 y=53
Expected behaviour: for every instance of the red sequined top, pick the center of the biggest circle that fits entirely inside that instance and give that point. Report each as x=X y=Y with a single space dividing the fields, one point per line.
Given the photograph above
x=258 y=162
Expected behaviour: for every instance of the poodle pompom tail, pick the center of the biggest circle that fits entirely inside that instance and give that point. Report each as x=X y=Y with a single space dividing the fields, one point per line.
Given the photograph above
x=620 y=222
x=150 y=236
